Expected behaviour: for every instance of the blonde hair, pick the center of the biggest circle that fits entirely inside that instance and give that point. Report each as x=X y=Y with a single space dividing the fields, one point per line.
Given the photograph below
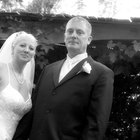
x=24 y=35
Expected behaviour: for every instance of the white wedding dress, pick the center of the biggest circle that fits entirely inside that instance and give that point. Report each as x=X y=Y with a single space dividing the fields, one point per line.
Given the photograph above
x=12 y=108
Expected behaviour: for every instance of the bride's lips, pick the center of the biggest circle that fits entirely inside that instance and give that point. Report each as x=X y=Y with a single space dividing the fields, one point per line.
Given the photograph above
x=25 y=55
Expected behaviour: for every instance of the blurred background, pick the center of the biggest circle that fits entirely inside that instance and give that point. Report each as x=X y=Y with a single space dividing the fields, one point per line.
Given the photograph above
x=116 y=43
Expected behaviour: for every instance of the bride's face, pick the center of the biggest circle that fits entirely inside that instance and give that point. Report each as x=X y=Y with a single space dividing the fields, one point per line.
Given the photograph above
x=24 y=50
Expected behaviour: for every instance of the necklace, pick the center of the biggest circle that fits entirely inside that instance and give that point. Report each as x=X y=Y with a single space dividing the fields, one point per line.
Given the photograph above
x=19 y=80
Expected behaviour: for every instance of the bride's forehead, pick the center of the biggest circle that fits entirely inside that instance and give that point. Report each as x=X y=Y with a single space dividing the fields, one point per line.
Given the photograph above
x=26 y=39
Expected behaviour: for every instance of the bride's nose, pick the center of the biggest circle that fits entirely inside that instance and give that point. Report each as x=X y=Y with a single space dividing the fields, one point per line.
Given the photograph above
x=26 y=49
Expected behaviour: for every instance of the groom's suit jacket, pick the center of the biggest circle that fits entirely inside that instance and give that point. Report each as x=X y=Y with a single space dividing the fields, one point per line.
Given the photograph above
x=77 y=108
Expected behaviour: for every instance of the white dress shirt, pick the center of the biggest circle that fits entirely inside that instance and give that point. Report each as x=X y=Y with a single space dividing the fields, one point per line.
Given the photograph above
x=70 y=63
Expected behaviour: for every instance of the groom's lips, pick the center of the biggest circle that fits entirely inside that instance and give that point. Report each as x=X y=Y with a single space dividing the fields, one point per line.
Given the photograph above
x=73 y=42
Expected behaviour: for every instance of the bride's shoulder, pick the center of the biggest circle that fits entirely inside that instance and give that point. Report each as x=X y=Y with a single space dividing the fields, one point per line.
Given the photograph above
x=2 y=72
x=3 y=68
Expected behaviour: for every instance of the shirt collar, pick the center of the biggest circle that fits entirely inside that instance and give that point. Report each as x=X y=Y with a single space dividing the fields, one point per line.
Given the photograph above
x=77 y=58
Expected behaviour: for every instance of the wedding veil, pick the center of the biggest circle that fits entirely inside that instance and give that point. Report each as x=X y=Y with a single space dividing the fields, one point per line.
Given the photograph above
x=6 y=55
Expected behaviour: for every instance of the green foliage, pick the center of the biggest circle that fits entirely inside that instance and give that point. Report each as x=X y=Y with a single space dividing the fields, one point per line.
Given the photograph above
x=120 y=56
x=36 y=6
x=15 y=24
x=11 y=5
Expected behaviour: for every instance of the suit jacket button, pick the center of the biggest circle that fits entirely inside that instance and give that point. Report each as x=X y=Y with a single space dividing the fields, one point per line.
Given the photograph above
x=54 y=93
x=48 y=111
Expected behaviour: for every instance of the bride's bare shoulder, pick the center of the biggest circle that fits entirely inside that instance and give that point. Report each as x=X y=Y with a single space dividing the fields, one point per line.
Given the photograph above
x=3 y=75
x=3 y=68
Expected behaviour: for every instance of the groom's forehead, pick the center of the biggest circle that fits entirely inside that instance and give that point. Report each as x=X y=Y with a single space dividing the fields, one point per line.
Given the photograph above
x=78 y=21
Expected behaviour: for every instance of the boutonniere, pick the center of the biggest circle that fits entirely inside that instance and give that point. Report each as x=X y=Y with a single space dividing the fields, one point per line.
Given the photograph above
x=86 y=67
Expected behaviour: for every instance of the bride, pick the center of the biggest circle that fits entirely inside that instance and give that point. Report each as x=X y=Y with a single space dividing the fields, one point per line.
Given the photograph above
x=16 y=80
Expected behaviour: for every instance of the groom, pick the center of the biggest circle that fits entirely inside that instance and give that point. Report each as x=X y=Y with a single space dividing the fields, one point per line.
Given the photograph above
x=74 y=95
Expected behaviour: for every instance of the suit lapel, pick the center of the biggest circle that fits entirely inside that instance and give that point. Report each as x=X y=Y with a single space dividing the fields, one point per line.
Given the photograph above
x=56 y=72
x=72 y=73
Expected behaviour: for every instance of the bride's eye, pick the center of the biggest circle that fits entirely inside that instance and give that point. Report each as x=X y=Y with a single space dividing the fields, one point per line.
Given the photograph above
x=22 y=45
x=31 y=48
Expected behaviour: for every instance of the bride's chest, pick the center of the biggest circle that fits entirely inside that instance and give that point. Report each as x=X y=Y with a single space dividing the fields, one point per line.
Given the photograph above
x=12 y=101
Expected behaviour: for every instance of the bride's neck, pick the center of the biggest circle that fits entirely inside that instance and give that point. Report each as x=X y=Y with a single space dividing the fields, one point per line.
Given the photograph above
x=18 y=67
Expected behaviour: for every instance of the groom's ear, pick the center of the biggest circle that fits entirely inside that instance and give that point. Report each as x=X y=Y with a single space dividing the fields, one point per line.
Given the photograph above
x=89 y=39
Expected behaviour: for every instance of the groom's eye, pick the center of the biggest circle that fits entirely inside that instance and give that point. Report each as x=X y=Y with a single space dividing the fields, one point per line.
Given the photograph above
x=69 y=31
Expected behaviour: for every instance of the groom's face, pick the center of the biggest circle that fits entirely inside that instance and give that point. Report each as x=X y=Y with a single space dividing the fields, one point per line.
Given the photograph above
x=77 y=36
